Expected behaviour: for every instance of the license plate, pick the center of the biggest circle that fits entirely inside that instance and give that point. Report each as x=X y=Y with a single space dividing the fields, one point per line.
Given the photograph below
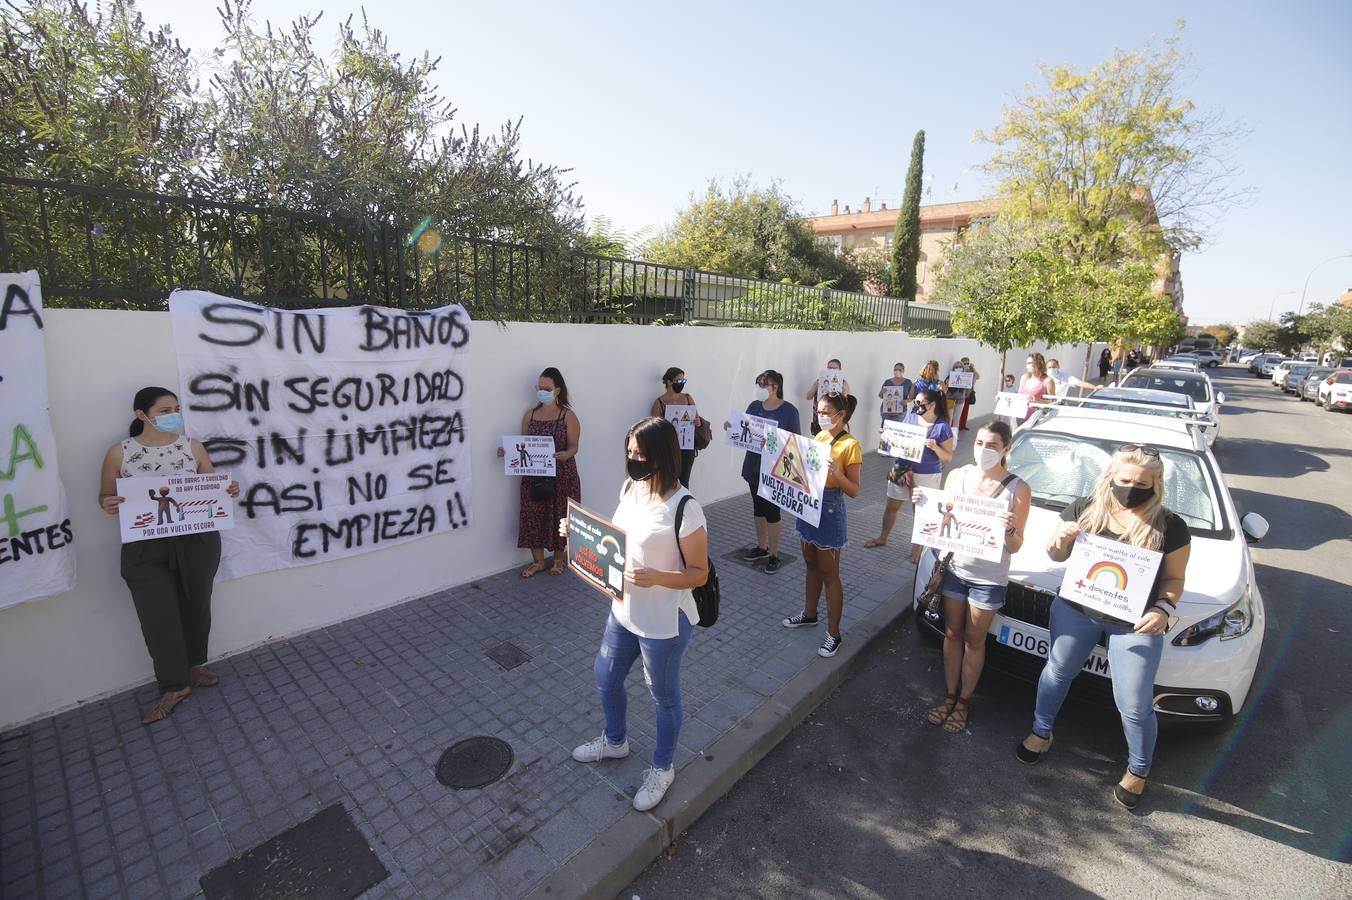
x=1035 y=643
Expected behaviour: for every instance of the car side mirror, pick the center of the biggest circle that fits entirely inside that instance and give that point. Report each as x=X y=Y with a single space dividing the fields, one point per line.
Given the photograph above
x=1220 y=396
x=1255 y=527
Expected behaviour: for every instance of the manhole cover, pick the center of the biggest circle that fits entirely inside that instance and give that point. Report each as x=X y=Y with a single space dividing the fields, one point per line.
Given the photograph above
x=474 y=762
x=508 y=655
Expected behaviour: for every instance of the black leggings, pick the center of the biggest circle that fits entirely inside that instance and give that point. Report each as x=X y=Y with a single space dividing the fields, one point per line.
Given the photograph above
x=687 y=463
x=762 y=508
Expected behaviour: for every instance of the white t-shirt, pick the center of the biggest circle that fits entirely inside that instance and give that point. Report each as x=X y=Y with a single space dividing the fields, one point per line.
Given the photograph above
x=650 y=532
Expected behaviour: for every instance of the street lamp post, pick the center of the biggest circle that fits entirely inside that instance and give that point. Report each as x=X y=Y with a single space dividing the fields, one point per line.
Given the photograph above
x=1300 y=311
x=1273 y=305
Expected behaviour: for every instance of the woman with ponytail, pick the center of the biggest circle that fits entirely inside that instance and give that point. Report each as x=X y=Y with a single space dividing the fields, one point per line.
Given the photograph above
x=170 y=578
x=822 y=542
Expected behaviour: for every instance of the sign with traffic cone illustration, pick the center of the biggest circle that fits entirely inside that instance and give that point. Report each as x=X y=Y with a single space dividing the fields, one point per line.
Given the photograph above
x=793 y=474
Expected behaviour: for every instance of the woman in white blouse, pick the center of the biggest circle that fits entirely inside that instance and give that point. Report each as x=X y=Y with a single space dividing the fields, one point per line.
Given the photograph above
x=656 y=616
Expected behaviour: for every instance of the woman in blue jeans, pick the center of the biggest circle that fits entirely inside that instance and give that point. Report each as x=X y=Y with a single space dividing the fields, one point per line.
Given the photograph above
x=654 y=620
x=1127 y=505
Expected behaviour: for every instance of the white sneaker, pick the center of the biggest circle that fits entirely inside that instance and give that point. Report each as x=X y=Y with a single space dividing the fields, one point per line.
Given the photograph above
x=654 y=788
x=599 y=749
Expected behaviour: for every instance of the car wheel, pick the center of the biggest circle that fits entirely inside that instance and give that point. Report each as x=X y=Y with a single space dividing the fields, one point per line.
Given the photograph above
x=1328 y=403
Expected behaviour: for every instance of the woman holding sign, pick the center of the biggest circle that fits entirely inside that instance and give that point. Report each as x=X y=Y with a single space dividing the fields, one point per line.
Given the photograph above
x=655 y=617
x=674 y=395
x=544 y=501
x=822 y=542
x=974 y=588
x=930 y=410
x=769 y=403
x=895 y=394
x=1128 y=506
x=170 y=578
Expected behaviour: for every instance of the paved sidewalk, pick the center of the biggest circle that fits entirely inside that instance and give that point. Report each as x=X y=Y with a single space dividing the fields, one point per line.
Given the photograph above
x=93 y=803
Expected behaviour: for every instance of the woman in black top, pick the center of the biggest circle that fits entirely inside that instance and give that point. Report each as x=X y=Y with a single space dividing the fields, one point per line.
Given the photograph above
x=1127 y=505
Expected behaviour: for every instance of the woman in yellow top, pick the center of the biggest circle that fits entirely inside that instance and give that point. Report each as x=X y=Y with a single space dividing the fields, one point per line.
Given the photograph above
x=822 y=542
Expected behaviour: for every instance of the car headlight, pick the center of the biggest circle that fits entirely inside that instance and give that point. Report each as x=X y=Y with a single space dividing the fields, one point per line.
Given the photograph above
x=1232 y=622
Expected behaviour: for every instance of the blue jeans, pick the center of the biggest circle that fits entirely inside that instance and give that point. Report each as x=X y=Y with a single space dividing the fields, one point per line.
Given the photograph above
x=1133 y=660
x=662 y=661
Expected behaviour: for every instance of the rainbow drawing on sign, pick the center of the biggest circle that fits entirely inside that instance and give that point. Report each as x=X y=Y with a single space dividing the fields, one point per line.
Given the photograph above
x=1115 y=574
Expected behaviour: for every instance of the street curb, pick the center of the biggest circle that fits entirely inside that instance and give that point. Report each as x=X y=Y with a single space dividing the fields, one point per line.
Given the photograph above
x=617 y=856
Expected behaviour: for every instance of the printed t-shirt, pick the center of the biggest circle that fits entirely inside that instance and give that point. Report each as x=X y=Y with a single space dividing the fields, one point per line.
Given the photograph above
x=939 y=432
x=785 y=415
x=1176 y=535
x=927 y=384
x=845 y=450
x=650 y=538
x=905 y=387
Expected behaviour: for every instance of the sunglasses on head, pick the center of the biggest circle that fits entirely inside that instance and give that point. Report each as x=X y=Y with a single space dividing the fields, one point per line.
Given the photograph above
x=1144 y=449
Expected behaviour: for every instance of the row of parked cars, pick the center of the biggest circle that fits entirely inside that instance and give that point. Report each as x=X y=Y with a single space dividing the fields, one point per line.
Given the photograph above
x=1329 y=386
x=1211 y=654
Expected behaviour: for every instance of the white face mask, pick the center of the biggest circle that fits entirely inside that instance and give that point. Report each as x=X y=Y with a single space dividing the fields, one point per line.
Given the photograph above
x=824 y=422
x=1052 y=371
x=1030 y=367
x=986 y=457
x=762 y=393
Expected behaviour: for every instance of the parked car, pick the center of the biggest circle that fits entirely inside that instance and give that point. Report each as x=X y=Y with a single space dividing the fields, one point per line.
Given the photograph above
x=1264 y=361
x=1335 y=392
x=1209 y=358
x=1294 y=375
x=1248 y=356
x=1194 y=384
x=1211 y=654
x=1182 y=363
x=1142 y=401
x=1279 y=370
x=1312 y=358
x=1309 y=385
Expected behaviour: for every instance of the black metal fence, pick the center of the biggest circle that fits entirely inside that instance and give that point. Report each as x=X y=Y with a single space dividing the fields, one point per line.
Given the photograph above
x=121 y=249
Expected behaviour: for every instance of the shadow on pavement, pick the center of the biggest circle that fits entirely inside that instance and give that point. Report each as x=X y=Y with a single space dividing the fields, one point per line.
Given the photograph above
x=1269 y=459
x=1296 y=524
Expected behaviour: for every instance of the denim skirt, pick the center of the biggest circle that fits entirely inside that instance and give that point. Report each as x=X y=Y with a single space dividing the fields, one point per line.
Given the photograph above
x=829 y=532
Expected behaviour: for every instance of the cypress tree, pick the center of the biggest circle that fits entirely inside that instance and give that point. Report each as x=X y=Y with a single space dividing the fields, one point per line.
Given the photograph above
x=906 y=238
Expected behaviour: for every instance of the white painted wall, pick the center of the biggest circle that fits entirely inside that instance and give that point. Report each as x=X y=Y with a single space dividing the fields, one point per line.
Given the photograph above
x=62 y=650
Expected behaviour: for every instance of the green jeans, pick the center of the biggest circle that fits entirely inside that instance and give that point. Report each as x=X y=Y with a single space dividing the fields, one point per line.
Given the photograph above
x=170 y=581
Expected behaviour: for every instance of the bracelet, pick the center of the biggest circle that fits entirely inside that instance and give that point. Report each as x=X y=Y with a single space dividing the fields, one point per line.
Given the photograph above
x=1161 y=603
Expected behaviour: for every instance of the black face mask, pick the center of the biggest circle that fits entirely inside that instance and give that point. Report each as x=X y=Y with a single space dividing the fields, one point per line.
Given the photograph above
x=919 y=409
x=1131 y=495
x=637 y=469
x=678 y=385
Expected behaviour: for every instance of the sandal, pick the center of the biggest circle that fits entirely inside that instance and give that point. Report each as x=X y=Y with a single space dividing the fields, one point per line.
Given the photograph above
x=956 y=723
x=1027 y=755
x=532 y=570
x=560 y=564
x=201 y=676
x=940 y=713
x=165 y=705
x=1123 y=795
x=876 y=542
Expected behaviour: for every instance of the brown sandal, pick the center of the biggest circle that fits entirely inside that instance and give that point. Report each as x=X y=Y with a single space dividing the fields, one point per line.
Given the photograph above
x=560 y=564
x=875 y=542
x=533 y=569
x=956 y=723
x=201 y=676
x=165 y=705
x=939 y=714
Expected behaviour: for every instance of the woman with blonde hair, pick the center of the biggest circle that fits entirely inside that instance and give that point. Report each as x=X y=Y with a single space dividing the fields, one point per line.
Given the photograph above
x=929 y=379
x=1127 y=505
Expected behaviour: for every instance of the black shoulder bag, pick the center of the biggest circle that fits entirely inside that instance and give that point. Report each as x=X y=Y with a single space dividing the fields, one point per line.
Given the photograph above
x=706 y=595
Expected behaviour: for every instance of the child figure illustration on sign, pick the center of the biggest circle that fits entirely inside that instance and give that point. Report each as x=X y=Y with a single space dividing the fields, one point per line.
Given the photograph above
x=746 y=431
x=164 y=501
x=946 y=528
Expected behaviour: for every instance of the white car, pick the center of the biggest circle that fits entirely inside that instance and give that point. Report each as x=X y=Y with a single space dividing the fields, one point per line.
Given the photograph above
x=1205 y=400
x=1248 y=357
x=1269 y=366
x=1335 y=392
x=1209 y=358
x=1182 y=363
x=1280 y=369
x=1211 y=652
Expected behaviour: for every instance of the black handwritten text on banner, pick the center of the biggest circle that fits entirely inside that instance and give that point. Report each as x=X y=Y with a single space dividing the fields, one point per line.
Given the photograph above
x=37 y=558
x=346 y=428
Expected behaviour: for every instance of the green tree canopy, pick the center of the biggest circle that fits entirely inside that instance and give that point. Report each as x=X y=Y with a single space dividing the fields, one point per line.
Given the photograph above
x=757 y=232
x=1224 y=333
x=1269 y=335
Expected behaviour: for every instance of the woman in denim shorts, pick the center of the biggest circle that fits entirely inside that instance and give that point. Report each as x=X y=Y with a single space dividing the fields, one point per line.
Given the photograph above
x=974 y=588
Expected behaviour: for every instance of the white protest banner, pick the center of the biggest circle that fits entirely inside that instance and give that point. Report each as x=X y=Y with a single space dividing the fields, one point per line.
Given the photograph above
x=960 y=523
x=683 y=418
x=346 y=428
x=1010 y=404
x=1110 y=577
x=894 y=400
x=830 y=381
x=528 y=454
x=961 y=379
x=156 y=506
x=903 y=440
x=747 y=432
x=37 y=558
x=793 y=473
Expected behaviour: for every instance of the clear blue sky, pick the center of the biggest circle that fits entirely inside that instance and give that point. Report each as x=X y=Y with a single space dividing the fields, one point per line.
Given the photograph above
x=646 y=102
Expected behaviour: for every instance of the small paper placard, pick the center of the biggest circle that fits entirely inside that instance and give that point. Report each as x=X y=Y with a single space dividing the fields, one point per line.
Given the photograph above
x=894 y=400
x=1110 y=577
x=1010 y=404
x=747 y=432
x=960 y=523
x=903 y=440
x=683 y=418
x=156 y=506
x=830 y=381
x=961 y=379
x=528 y=454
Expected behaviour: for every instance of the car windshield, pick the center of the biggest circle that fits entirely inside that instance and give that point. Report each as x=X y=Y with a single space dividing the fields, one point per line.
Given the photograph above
x=1061 y=468
x=1196 y=388
x=1297 y=370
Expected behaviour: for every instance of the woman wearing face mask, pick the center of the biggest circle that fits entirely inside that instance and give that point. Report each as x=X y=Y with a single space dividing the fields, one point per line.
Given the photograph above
x=541 y=509
x=974 y=589
x=931 y=410
x=811 y=396
x=674 y=395
x=1035 y=382
x=656 y=618
x=769 y=403
x=960 y=399
x=898 y=382
x=1128 y=506
x=170 y=578
x=822 y=542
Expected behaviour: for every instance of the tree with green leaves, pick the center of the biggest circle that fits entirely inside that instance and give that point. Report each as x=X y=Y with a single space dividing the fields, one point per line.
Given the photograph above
x=756 y=232
x=1269 y=335
x=906 y=237
x=1224 y=333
